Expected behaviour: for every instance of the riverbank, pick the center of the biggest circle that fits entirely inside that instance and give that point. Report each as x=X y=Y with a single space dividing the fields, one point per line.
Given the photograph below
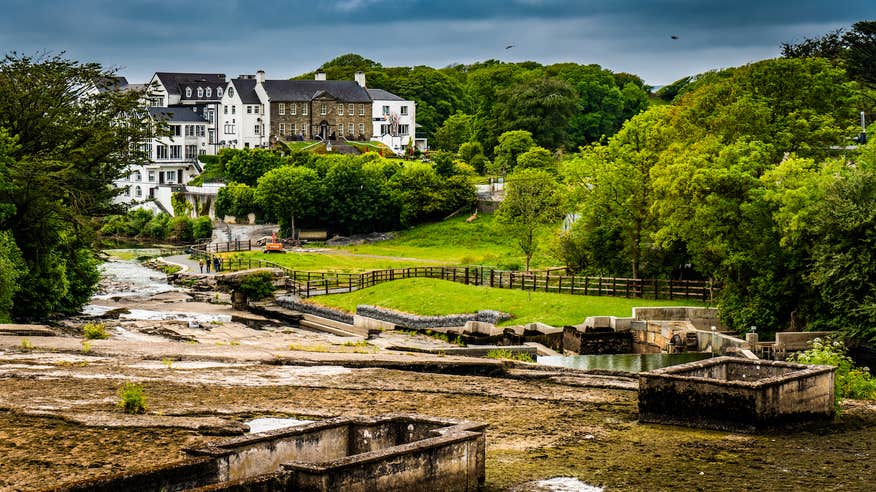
x=206 y=369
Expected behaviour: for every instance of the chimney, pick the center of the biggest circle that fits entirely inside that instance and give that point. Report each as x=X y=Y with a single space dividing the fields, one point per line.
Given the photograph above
x=359 y=77
x=320 y=75
x=260 y=77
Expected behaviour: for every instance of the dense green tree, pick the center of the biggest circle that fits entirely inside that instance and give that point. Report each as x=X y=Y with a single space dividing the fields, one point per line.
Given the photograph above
x=236 y=199
x=12 y=268
x=511 y=145
x=543 y=107
x=531 y=202
x=456 y=130
x=71 y=142
x=536 y=157
x=248 y=165
x=288 y=192
x=355 y=198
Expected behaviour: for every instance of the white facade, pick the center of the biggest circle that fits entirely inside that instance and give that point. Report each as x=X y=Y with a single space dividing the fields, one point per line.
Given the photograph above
x=394 y=120
x=242 y=118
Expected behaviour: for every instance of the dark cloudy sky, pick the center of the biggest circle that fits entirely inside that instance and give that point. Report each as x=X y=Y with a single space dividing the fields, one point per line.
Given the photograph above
x=292 y=37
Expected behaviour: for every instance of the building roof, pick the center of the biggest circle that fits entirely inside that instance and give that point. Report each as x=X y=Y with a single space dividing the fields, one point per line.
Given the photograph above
x=246 y=90
x=175 y=83
x=306 y=90
x=382 y=95
x=179 y=114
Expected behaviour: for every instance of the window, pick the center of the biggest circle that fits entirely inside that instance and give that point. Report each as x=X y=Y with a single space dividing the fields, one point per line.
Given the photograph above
x=135 y=176
x=170 y=177
x=255 y=109
x=175 y=130
x=293 y=108
x=341 y=127
x=190 y=130
x=161 y=152
x=257 y=129
x=225 y=109
x=199 y=130
x=229 y=128
x=191 y=151
x=176 y=151
x=233 y=109
x=350 y=109
x=138 y=192
x=323 y=109
x=200 y=92
x=361 y=110
x=340 y=110
x=188 y=92
x=361 y=128
x=350 y=130
x=212 y=136
x=282 y=129
x=127 y=191
x=249 y=110
x=304 y=109
x=404 y=110
x=209 y=92
x=403 y=129
x=231 y=92
x=386 y=111
x=281 y=108
x=202 y=152
x=218 y=92
x=151 y=176
x=384 y=129
x=210 y=115
x=292 y=131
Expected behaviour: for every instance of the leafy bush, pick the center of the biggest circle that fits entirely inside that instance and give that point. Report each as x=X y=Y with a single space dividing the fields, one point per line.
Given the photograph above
x=132 y=399
x=95 y=331
x=202 y=228
x=850 y=382
x=257 y=285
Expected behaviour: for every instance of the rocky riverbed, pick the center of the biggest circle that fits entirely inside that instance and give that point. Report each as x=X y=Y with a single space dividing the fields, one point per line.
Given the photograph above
x=207 y=369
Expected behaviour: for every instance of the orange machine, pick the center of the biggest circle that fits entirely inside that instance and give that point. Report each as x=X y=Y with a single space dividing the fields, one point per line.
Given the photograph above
x=274 y=246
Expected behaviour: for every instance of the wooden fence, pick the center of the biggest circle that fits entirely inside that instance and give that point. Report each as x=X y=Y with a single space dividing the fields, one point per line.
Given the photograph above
x=307 y=284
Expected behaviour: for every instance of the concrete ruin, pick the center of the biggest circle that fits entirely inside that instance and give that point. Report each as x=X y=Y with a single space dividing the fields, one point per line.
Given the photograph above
x=390 y=452
x=728 y=393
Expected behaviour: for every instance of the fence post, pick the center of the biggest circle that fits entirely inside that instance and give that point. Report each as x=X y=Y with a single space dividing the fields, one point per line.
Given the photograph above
x=492 y=275
x=547 y=280
x=670 y=289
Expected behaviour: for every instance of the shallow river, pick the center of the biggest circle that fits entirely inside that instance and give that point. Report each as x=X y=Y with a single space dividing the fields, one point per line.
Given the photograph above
x=623 y=362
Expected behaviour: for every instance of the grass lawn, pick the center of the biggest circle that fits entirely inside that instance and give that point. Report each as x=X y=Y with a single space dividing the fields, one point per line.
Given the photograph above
x=457 y=242
x=327 y=262
x=441 y=297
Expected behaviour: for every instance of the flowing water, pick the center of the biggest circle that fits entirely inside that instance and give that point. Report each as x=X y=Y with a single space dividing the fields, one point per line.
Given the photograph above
x=623 y=362
x=270 y=423
x=128 y=278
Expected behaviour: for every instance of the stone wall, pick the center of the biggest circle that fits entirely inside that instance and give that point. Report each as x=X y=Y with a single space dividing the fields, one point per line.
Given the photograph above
x=296 y=304
x=415 y=322
x=590 y=343
x=720 y=393
x=311 y=121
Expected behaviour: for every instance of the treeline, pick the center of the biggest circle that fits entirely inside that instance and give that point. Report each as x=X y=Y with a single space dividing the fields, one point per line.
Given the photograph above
x=748 y=180
x=345 y=194
x=144 y=224
x=564 y=105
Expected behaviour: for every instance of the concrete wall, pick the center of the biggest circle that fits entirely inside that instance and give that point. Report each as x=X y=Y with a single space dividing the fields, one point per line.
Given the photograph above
x=415 y=322
x=797 y=340
x=700 y=317
x=736 y=394
x=597 y=342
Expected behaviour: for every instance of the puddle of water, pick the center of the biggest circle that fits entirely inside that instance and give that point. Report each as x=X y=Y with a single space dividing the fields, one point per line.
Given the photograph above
x=623 y=362
x=270 y=423
x=565 y=484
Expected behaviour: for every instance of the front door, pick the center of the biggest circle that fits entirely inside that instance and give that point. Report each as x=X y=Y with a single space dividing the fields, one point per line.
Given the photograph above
x=323 y=130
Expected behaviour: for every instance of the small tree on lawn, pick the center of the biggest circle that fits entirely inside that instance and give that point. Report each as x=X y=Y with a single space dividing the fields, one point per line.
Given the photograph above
x=531 y=202
x=287 y=192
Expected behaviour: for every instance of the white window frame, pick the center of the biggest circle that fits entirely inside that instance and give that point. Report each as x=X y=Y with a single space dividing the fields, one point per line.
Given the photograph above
x=351 y=129
x=257 y=129
x=218 y=92
x=159 y=150
x=340 y=129
x=176 y=152
x=248 y=109
x=304 y=109
x=341 y=109
x=385 y=110
x=323 y=109
x=361 y=128
x=404 y=110
x=282 y=129
x=281 y=108
x=209 y=92
x=200 y=92
x=351 y=109
x=188 y=92
x=293 y=109
x=361 y=110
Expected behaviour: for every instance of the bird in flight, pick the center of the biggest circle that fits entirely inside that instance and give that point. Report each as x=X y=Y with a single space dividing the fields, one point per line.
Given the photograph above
x=674 y=36
x=509 y=46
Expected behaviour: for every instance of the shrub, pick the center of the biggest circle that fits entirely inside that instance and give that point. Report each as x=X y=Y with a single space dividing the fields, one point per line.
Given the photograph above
x=202 y=228
x=95 y=331
x=131 y=398
x=257 y=285
x=850 y=382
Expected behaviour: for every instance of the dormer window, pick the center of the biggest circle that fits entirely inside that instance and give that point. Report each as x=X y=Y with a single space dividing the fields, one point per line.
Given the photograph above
x=188 y=92
x=200 y=92
x=231 y=92
x=209 y=92
x=218 y=92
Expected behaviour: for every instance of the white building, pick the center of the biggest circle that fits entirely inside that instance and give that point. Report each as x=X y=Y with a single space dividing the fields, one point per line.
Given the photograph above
x=188 y=103
x=242 y=115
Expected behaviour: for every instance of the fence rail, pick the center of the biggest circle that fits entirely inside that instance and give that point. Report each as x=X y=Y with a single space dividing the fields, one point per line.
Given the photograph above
x=308 y=284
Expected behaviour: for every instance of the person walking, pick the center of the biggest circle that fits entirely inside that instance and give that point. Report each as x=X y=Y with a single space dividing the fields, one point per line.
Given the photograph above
x=208 y=264
x=216 y=264
x=201 y=264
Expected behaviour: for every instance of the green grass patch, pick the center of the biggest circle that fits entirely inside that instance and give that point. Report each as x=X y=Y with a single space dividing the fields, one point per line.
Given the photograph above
x=457 y=242
x=430 y=297
x=508 y=355
x=330 y=262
